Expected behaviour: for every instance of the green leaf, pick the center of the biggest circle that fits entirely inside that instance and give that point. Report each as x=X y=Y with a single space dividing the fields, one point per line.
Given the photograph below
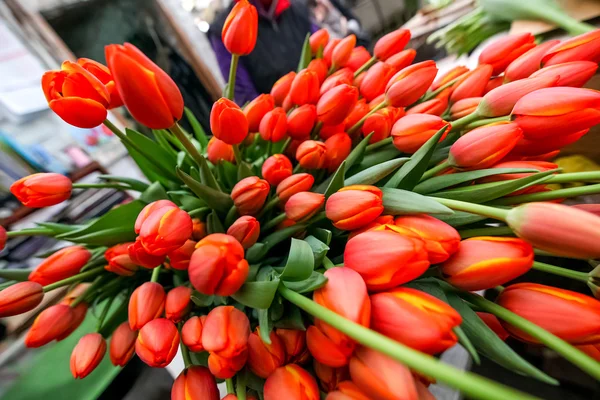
x=264 y=322
x=318 y=248
x=403 y=202
x=356 y=155
x=153 y=152
x=409 y=175
x=161 y=137
x=244 y=171
x=324 y=235
x=460 y=218
x=306 y=54
x=441 y=182
x=206 y=175
x=227 y=173
x=197 y=128
x=258 y=295
x=377 y=157
x=213 y=224
x=256 y=252
x=134 y=184
x=59 y=228
x=15 y=274
x=337 y=181
x=214 y=199
x=312 y=283
x=186 y=200
x=374 y=174
x=464 y=340
x=202 y=300
x=292 y=319
x=155 y=192
x=150 y=171
x=300 y=263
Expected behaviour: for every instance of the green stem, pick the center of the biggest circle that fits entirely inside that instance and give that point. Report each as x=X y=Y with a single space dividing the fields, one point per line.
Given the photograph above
x=297 y=169
x=269 y=148
x=73 y=279
x=569 y=352
x=230 y=217
x=19 y=275
x=273 y=222
x=332 y=69
x=431 y=95
x=486 y=211
x=557 y=17
x=155 y=274
x=486 y=121
x=267 y=207
x=199 y=211
x=106 y=330
x=435 y=170
x=286 y=144
x=230 y=388
x=105 y=311
x=230 y=89
x=185 y=352
x=237 y=154
x=240 y=387
x=360 y=123
x=378 y=145
x=314 y=134
x=190 y=149
x=99 y=281
x=575 y=177
x=552 y=195
x=6 y=285
x=365 y=66
x=100 y=186
x=31 y=232
x=466 y=120
x=489 y=231
x=567 y=273
x=118 y=133
x=470 y=384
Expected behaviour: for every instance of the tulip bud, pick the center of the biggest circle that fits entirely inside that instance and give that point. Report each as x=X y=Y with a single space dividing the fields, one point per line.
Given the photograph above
x=246 y=230
x=140 y=256
x=361 y=108
x=302 y=206
x=225 y=368
x=344 y=76
x=494 y=324
x=178 y=303
x=318 y=39
x=408 y=85
x=319 y=66
x=273 y=126
x=218 y=265
x=471 y=84
x=49 y=325
x=585 y=47
x=328 y=131
x=464 y=107
x=592 y=208
x=338 y=148
x=281 y=88
x=486 y=262
x=391 y=44
x=386 y=259
x=571 y=316
x=157 y=343
x=117 y=250
x=451 y=75
x=122 y=345
x=198 y=229
x=294 y=344
x=147 y=302
x=354 y=206
x=148 y=210
x=228 y=122
x=60 y=265
x=347 y=390
x=102 y=73
x=311 y=154
x=87 y=354
x=493 y=84
x=305 y=88
x=402 y=59
x=240 y=29
x=218 y=151
x=433 y=107
x=122 y=265
x=529 y=62
x=501 y=52
x=250 y=194
x=412 y=131
x=301 y=121
x=265 y=358
x=149 y=93
x=326 y=344
x=330 y=377
x=20 y=298
x=379 y=124
x=225 y=332
x=291 y=382
x=485 y=146
x=358 y=58
x=276 y=168
x=195 y=383
x=376 y=79
x=342 y=51
x=328 y=50
x=42 y=189
x=78 y=314
x=414 y=318
x=180 y=259
x=381 y=376
x=379 y=221
x=574 y=73
x=191 y=333
x=256 y=110
x=294 y=184
x=335 y=105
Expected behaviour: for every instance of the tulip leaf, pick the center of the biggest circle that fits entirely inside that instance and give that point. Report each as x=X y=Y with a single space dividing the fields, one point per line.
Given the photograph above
x=153 y=152
x=259 y=250
x=377 y=157
x=244 y=171
x=15 y=274
x=375 y=173
x=337 y=181
x=441 y=182
x=292 y=319
x=306 y=54
x=199 y=133
x=324 y=235
x=206 y=175
x=257 y=295
x=312 y=283
x=134 y=184
x=356 y=155
x=213 y=198
x=300 y=263
x=403 y=202
x=201 y=299
x=409 y=175
x=161 y=137
x=318 y=248
x=256 y=252
x=155 y=192
x=460 y=218
x=213 y=224
x=149 y=170
x=265 y=324
x=185 y=200
x=58 y=228
x=464 y=340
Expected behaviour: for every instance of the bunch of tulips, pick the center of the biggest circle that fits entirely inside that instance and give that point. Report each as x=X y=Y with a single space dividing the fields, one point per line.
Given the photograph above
x=326 y=239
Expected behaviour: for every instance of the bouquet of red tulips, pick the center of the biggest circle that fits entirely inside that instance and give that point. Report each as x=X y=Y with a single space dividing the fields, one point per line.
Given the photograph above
x=326 y=240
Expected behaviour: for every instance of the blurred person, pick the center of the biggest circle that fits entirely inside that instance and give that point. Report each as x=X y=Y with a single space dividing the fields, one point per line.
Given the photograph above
x=337 y=19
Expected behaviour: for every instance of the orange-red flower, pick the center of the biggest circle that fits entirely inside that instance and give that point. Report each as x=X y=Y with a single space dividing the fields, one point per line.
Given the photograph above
x=354 y=206
x=19 y=298
x=471 y=84
x=451 y=75
x=493 y=84
x=403 y=59
x=328 y=50
x=180 y=259
x=464 y=107
x=291 y=382
x=157 y=343
x=305 y=88
x=485 y=146
x=122 y=345
x=225 y=332
x=87 y=354
x=42 y=189
x=328 y=131
x=375 y=80
x=386 y=259
x=342 y=51
x=265 y=358
x=195 y=383
x=60 y=265
x=147 y=302
x=494 y=324
x=282 y=87
x=164 y=230
x=78 y=312
x=415 y=319
x=344 y=76
x=256 y=110
x=301 y=121
x=358 y=58
x=246 y=230
x=379 y=221
x=338 y=147
x=379 y=124
x=318 y=39
x=218 y=151
x=276 y=168
x=347 y=390
x=302 y=206
x=361 y=108
x=149 y=209
x=240 y=29
x=140 y=256
x=311 y=154
x=294 y=343
x=501 y=52
x=320 y=67
x=49 y=325
x=198 y=230
x=273 y=126
x=335 y=104
x=228 y=122
x=410 y=132
x=102 y=73
x=571 y=316
x=326 y=344
x=178 y=303
x=574 y=73
x=294 y=184
x=529 y=62
x=391 y=44
x=330 y=377
x=381 y=376
x=408 y=85
x=148 y=92
x=592 y=208
x=218 y=265
x=433 y=107
x=225 y=368
x=250 y=194
x=191 y=333
x=585 y=47
x=122 y=265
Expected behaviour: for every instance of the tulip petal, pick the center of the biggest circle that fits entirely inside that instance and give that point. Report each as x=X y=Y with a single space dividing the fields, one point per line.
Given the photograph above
x=79 y=112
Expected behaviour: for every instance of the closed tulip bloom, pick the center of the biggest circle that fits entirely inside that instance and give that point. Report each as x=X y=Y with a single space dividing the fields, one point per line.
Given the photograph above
x=326 y=344
x=42 y=189
x=294 y=184
x=240 y=29
x=548 y=146
x=228 y=122
x=246 y=230
x=328 y=131
x=344 y=76
x=585 y=47
x=148 y=92
x=146 y=303
x=433 y=107
x=330 y=377
x=410 y=132
x=198 y=229
x=282 y=87
x=376 y=79
x=180 y=259
x=318 y=39
x=122 y=345
x=218 y=151
x=358 y=58
x=402 y=59
x=224 y=367
x=441 y=240
x=226 y=331
x=178 y=303
x=485 y=146
x=573 y=74
x=265 y=358
x=148 y=210
x=354 y=206
x=360 y=109
x=78 y=314
x=157 y=343
x=276 y=168
x=117 y=250
x=191 y=333
x=592 y=208
x=338 y=148
x=451 y=75
x=49 y=325
x=347 y=390
x=408 y=85
x=486 y=262
x=592 y=350
x=291 y=382
x=250 y=194
x=571 y=316
x=218 y=265
x=494 y=324
x=273 y=126
x=342 y=51
x=102 y=73
x=415 y=318
x=391 y=44
x=471 y=84
x=464 y=107
x=77 y=96
x=302 y=206
x=294 y=344
x=19 y=298
x=493 y=84
x=572 y=235
x=379 y=221
x=335 y=105
x=301 y=121
x=256 y=110
x=87 y=354
x=311 y=154
x=165 y=230
x=501 y=52
x=305 y=88
x=320 y=67
x=140 y=256
x=529 y=62
x=60 y=265
x=379 y=124
x=195 y=383
x=381 y=376
x=328 y=50
x=386 y=259
x=122 y=265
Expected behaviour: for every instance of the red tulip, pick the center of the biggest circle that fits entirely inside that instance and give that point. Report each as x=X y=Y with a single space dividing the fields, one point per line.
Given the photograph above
x=301 y=121
x=140 y=256
x=225 y=332
x=102 y=73
x=493 y=84
x=195 y=383
x=250 y=194
x=328 y=131
x=328 y=50
x=305 y=88
x=148 y=210
x=166 y=229
x=361 y=108
x=376 y=79
x=240 y=29
x=435 y=107
x=218 y=151
x=191 y=333
x=157 y=343
x=527 y=63
x=354 y=206
x=294 y=343
x=379 y=221
x=87 y=354
x=282 y=87
x=228 y=122
x=391 y=44
x=273 y=126
x=574 y=73
x=122 y=265
x=408 y=85
x=342 y=51
x=403 y=59
x=178 y=303
x=335 y=105
x=358 y=58
x=246 y=230
x=225 y=368
x=585 y=47
x=49 y=325
x=501 y=52
x=549 y=146
x=344 y=76
x=379 y=124
x=330 y=377
x=452 y=75
x=294 y=184
x=338 y=148
x=122 y=345
x=318 y=39
x=20 y=298
x=42 y=189
x=320 y=67
x=412 y=131
x=118 y=249
x=464 y=107
x=311 y=154
x=263 y=358
x=304 y=205
x=592 y=208
x=180 y=259
x=291 y=383
x=592 y=350
x=256 y=110
x=471 y=84
x=147 y=302
x=347 y=390
x=63 y=264
x=198 y=230
x=78 y=314
x=494 y=324
x=276 y=168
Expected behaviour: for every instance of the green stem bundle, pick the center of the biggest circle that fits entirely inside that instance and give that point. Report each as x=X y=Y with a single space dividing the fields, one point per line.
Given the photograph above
x=567 y=273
